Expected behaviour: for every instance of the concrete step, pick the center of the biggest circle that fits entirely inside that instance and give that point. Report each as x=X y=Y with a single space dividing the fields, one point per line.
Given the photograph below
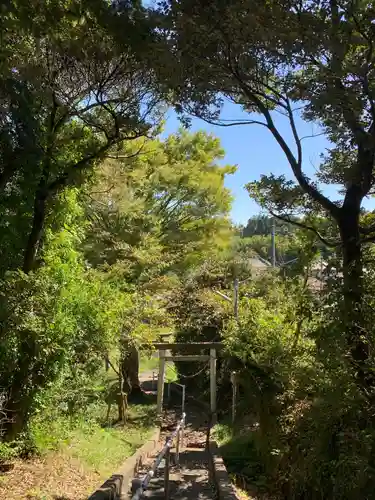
x=187 y=481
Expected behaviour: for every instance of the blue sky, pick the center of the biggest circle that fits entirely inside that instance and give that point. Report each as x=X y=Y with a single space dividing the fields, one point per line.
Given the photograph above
x=253 y=149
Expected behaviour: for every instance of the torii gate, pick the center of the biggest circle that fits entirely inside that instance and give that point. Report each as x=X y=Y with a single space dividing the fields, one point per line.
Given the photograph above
x=163 y=347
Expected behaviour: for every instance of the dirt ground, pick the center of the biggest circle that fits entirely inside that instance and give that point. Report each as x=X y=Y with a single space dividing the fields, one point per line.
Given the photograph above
x=56 y=477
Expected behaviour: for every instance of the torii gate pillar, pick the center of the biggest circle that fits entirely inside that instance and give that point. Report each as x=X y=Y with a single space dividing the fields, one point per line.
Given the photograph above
x=161 y=381
x=163 y=357
x=213 y=386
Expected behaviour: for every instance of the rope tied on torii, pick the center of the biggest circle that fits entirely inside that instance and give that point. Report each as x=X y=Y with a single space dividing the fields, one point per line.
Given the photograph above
x=164 y=347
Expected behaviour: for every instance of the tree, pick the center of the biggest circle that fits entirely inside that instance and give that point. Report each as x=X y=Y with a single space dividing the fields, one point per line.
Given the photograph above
x=160 y=210
x=157 y=212
x=70 y=93
x=261 y=225
x=300 y=59
x=56 y=317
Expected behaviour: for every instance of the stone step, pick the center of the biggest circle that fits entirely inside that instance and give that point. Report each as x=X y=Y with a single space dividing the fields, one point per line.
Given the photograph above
x=187 y=481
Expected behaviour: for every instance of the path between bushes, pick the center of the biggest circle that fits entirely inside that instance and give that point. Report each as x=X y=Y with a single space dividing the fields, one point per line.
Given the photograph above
x=190 y=479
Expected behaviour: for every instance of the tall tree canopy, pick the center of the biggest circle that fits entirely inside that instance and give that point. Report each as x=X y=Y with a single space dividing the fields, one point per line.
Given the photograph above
x=161 y=209
x=313 y=59
x=70 y=92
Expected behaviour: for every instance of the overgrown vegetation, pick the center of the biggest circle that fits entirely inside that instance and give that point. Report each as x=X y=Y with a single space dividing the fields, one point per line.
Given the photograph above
x=100 y=218
x=110 y=232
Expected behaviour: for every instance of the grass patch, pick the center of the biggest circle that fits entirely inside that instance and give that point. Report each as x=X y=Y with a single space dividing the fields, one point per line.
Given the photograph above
x=75 y=454
x=96 y=447
x=148 y=363
x=241 y=457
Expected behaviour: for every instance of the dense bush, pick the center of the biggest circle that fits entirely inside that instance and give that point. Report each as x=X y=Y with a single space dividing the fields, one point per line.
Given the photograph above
x=60 y=315
x=199 y=317
x=311 y=427
x=304 y=430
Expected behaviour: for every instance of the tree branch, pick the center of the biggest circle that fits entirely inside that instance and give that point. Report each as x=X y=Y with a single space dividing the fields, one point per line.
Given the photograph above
x=230 y=123
x=302 y=225
x=106 y=358
x=370 y=239
x=61 y=181
x=297 y=140
x=296 y=166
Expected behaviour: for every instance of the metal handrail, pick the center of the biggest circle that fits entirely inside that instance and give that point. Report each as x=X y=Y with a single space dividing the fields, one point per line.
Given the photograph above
x=183 y=387
x=142 y=487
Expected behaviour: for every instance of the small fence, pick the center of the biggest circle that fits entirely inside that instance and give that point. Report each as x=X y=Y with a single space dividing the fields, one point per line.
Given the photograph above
x=140 y=486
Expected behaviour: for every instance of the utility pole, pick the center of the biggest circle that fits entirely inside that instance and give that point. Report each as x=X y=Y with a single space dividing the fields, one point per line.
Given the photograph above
x=235 y=301
x=273 y=244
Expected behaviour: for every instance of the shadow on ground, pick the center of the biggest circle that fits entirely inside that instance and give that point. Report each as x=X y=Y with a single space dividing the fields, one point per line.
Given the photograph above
x=188 y=481
x=59 y=497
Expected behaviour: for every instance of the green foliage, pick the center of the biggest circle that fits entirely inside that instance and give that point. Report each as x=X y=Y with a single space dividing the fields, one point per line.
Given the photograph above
x=59 y=314
x=301 y=59
x=8 y=451
x=303 y=429
x=301 y=420
x=159 y=211
x=84 y=437
x=241 y=457
x=71 y=92
x=199 y=316
x=264 y=70
x=261 y=225
x=118 y=235
x=82 y=301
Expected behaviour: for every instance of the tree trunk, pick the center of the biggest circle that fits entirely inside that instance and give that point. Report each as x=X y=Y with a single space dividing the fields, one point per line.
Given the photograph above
x=355 y=322
x=6 y=175
x=120 y=406
x=40 y=205
x=17 y=416
x=18 y=406
x=130 y=368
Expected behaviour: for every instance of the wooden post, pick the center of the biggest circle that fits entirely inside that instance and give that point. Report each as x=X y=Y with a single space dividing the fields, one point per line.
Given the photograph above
x=178 y=439
x=234 y=395
x=235 y=301
x=213 y=385
x=166 y=473
x=182 y=430
x=161 y=382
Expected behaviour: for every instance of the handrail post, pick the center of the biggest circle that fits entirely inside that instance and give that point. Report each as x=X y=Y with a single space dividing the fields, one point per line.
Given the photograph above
x=183 y=430
x=140 y=486
x=213 y=385
x=178 y=447
x=183 y=399
x=161 y=382
x=166 y=473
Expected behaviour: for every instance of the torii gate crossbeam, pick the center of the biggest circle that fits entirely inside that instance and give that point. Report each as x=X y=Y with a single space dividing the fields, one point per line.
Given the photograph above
x=163 y=357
